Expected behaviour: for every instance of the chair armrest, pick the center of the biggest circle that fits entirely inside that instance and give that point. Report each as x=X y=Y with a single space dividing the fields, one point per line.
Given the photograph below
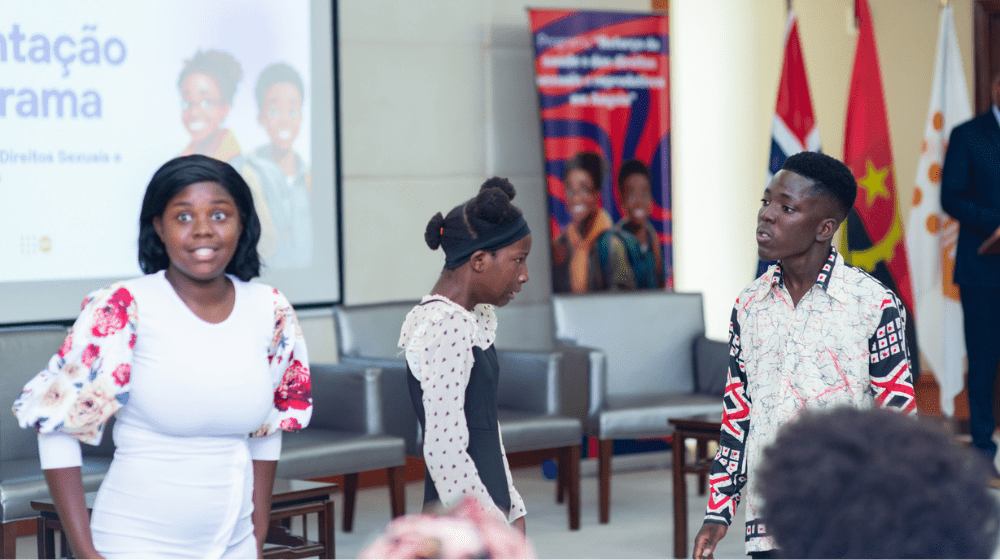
x=346 y=397
x=529 y=381
x=596 y=363
x=580 y=368
x=711 y=366
x=397 y=413
x=384 y=363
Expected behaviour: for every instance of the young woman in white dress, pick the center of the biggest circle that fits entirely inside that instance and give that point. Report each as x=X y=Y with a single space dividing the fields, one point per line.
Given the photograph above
x=204 y=369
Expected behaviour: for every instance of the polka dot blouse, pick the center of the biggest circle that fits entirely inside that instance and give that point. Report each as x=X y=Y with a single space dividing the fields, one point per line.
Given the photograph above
x=438 y=338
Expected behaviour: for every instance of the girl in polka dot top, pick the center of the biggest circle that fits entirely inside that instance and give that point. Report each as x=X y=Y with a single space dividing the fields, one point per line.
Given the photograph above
x=448 y=341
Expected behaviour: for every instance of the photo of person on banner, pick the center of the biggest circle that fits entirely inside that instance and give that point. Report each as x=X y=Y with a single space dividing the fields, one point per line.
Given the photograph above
x=587 y=256
x=279 y=94
x=594 y=254
x=642 y=244
x=207 y=85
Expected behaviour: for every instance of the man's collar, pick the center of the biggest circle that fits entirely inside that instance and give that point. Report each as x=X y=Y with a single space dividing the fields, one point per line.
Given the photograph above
x=996 y=113
x=822 y=280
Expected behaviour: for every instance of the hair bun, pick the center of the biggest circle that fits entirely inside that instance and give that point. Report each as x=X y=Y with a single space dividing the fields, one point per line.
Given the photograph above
x=499 y=183
x=434 y=231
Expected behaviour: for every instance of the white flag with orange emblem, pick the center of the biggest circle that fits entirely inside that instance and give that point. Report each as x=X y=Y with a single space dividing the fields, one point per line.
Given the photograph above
x=931 y=234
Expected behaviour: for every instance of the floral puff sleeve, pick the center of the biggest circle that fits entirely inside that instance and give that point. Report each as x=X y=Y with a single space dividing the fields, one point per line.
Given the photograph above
x=289 y=373
x=87 y=381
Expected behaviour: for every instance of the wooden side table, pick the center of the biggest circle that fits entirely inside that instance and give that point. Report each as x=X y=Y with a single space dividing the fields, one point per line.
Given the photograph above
x=290 y=498
x=703 y=429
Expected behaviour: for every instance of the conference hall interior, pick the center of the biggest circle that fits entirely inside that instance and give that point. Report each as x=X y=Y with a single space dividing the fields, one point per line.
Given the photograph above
x=640 y=137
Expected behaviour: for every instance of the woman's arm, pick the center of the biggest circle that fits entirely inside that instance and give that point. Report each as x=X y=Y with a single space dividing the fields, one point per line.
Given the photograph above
x=66 y=487
x=517 y=511
x=87 y=380
x=289 y=364
x=263 y=484
x=70 y=401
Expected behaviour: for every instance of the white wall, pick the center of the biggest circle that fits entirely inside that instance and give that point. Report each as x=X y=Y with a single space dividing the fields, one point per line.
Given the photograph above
x=438 y=95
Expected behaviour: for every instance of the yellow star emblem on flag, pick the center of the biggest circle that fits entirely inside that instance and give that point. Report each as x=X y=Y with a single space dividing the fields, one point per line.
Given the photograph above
x=874 y=183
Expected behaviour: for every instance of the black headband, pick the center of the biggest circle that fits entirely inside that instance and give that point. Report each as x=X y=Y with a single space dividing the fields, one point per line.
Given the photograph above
x=492 y=239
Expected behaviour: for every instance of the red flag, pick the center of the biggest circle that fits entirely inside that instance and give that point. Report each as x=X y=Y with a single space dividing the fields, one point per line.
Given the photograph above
x=873 y=234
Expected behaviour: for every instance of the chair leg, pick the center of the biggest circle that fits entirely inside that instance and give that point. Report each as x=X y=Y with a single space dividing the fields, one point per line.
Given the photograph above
x=604 y=449
x=701 y=453
x=46 y=539
x=8 y=539
x=350 y=493
x=572 y=467
x=560 y=475
x=397 y=490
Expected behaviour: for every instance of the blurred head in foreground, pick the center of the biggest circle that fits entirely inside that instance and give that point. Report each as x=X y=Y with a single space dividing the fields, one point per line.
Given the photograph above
x=465 y=531
x=852 y=483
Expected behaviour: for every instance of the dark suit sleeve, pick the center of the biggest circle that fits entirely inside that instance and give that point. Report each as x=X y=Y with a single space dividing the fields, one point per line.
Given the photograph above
x=958 y=186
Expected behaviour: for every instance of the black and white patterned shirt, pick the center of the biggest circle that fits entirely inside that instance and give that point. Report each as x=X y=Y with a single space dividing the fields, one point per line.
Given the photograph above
x=843 y=344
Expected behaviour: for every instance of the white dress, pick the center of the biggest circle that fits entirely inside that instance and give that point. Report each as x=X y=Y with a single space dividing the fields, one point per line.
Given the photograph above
x=191 y=394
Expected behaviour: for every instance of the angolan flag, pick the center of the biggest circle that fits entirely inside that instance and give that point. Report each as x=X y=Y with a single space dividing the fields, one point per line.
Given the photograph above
x=872 y=235
x=873 y=232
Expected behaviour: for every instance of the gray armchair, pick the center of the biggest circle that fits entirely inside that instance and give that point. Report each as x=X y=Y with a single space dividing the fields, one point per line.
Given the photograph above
x=345 y=436
x=530 y=397
x=24 y=351
x=650 y=340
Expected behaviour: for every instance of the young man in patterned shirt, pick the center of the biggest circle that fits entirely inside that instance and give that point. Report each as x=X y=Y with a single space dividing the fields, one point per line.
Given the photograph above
x=810 y=333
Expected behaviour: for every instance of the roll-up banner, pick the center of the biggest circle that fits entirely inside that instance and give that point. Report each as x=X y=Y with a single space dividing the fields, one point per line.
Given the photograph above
x=604 y=94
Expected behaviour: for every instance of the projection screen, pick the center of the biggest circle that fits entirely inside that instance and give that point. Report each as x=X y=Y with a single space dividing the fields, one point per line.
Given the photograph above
x=96 y=95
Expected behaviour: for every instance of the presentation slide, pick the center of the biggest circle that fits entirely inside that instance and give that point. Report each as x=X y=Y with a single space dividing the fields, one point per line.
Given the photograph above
x=96 y=95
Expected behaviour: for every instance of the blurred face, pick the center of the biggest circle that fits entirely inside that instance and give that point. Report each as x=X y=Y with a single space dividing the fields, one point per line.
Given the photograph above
x=791 y=217
x=202 y=107
x=200 y=228
x=505 y=272
x=637 y=198
x=281 y=114
x=581 y=195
